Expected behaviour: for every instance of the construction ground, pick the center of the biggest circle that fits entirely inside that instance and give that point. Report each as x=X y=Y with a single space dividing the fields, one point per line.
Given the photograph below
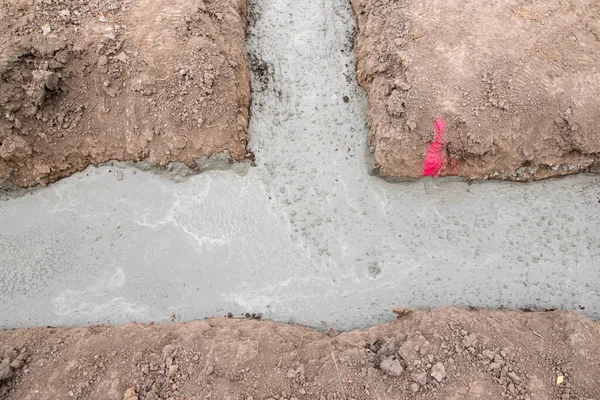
x=278 y=199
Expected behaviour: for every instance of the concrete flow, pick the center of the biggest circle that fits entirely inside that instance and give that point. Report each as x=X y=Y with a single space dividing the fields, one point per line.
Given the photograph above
x=307 y=235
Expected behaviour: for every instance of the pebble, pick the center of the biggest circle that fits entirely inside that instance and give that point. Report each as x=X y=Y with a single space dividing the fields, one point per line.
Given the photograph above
x=514 y=376
x=122 y=57
x=173 y=370
x=489 y=354
x=209 y=370
x=5 y=371
x=438 y=372
x=411 y=125
x=130 y=394
x=419 y=377
x=414 y=387
x=391 y=367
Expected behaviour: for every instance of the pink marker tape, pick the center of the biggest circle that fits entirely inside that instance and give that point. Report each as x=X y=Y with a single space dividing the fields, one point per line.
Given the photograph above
x=435 y=160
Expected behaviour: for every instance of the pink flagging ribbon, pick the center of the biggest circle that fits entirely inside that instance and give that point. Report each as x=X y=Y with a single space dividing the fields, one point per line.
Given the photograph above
x=435 y=160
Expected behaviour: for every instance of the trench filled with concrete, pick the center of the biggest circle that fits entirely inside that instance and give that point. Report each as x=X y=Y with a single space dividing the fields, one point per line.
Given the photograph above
x=306 y=236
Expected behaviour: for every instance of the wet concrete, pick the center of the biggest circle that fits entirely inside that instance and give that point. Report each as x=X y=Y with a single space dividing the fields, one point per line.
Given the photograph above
x=306 y=236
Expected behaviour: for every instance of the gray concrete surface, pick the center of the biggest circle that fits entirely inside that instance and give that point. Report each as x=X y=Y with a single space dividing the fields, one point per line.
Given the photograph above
x=306 y=236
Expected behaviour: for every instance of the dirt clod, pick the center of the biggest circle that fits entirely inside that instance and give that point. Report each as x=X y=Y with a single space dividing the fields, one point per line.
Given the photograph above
x=438 y=371
x=252 y=359
x=516 y=82
x=130 y=394
x=87 y=82
x=391 y=367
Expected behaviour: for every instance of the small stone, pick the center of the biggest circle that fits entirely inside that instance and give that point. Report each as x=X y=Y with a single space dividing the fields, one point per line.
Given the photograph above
x=511 y=389
x=494 y=366
x=209 y=370
x=122 y=57
x=102 y=61
x=5 y=371
x=46 y=29
x=414 y=387
x=419 y=377
x=168 y=351
x=18 y=362
x=373 y=373
x=512 y=375
x=438 y=372
x=291 y=374
x=391 y=367
x=469 y=341
x=10 y=353
x=411 y=125
x=401 y=312
x=396 y=103
x=488 y=354
x=51 y=80
x=404 y=86
x=173 y=370
x=130 y=394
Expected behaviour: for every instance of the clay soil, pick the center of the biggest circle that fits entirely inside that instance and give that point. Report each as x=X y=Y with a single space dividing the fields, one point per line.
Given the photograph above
x=517 y=81
x=441 y=354
x=84 y=82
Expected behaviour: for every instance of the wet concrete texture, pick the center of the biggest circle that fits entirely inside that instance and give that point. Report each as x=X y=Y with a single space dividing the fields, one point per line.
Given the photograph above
x=306 y=236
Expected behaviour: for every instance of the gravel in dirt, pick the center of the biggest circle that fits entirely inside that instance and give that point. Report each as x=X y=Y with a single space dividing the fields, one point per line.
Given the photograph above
x=87 y=82
x=445 y=353
x=517 y=82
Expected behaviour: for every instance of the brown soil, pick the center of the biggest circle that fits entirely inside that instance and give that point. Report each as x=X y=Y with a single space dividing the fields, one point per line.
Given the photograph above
x=84 y=82
x=441 y=354
x=517 y=81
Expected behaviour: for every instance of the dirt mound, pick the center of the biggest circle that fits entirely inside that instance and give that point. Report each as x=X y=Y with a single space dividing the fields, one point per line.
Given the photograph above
x=516 y=81
x=440 y=354
x=86 y=82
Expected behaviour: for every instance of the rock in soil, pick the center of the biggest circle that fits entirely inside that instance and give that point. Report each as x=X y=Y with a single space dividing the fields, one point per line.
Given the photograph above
x=85 y=82
x=438 y=372
x=391 y=367
x=516 y=82
x=251 y=359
